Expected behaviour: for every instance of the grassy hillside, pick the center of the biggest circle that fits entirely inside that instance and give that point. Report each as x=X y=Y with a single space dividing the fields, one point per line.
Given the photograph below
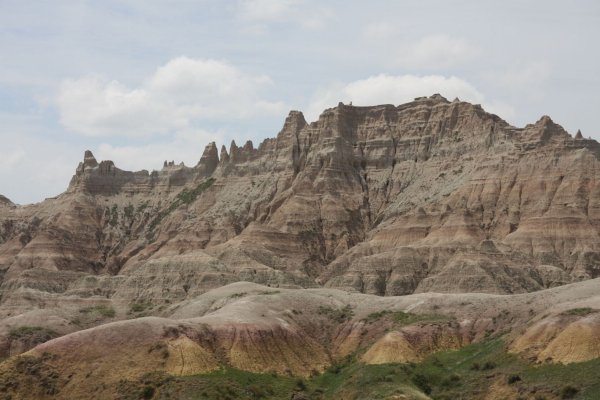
x=475 y=371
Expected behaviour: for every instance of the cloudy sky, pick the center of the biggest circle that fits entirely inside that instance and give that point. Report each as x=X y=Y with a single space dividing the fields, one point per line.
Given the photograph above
x=141 y=81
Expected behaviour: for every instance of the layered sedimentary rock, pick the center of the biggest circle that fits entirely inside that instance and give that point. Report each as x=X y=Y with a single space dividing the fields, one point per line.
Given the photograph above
x=430 y=195
x=130 y=273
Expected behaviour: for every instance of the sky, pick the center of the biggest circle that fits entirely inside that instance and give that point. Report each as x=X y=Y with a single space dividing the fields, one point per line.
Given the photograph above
x=142 y=81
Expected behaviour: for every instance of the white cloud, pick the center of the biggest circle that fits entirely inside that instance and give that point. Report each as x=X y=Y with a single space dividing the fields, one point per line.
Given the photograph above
x=266 y=10
x=177 y=96
x=259 y=13
x=380 y=31
x=524 y=75
x=438 y=51
x=12 y=157
x=31 y=168
x=398 y=89
x=435 y=51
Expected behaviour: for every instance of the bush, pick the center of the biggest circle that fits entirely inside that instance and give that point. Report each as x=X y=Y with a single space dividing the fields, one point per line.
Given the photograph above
x=451 y=381
x=513 y=379
x=32 y=334
x=568 y=392
x=300 y=384
x=105 y=311
x=582 y=311
x=138 y=307
x=488 y=365
x=256 y=392
x=148 y=392
x=338 y=315
x=422 y=383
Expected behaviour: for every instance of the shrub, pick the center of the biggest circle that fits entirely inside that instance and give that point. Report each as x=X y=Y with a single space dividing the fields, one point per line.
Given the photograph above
x=256 y=392
x=488 y=365
x=375 y=316
x=581 y=312
x=103 y=310
x=568 y=392
x=128 y=211
x=114 y=215
x=33 y=334
x=186 y=196
x=148 y=392
x=300 y=384
x=138 y=307
x=422 y=383
x=339 y=315
x=450 y=381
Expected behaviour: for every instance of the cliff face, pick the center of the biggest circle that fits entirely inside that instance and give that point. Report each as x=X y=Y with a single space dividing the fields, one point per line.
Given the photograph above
x=430 y=195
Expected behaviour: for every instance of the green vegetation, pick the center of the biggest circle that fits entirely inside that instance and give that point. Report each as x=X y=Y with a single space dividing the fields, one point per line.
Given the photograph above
x=38 y=370
x=224 y=384
x=268 y=292
x=336 y=314
x=580 y=312
x=458 y=374
x=189 y=196
x=186 y=196
x=114 y=215
x=568 y=392
x=139 y=307
x=464 y=373
x=128 y=211
x=102 y=310
x=32 y=334
x=142 y=207
x=402 y=318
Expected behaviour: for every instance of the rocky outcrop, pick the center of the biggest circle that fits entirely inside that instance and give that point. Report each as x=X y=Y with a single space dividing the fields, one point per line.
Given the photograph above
x=209 y=160
x=431 y=195
x=5 y=202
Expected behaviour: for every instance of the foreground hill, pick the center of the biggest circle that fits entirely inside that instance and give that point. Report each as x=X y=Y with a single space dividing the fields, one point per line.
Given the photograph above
x=410 y=346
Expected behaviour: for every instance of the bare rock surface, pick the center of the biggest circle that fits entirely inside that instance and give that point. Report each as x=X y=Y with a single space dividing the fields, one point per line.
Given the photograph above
x=436 y=200
x=430 y=195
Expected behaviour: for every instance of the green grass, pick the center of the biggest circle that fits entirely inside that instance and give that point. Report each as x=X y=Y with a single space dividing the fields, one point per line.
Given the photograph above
x=186 y=196
x=189 y=196
x=445 y=375
x=139 y=307
x=102 y=310
x=223 y=384
x=33 y=334
x=128 y=211
x=544 y=379
x=401 y=318
x=114 y=215
x=336 y=314
x=580 y=312
x=458 y=374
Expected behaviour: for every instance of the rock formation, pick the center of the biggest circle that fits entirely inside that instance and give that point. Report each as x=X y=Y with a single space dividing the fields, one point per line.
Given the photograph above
x=428 y=196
